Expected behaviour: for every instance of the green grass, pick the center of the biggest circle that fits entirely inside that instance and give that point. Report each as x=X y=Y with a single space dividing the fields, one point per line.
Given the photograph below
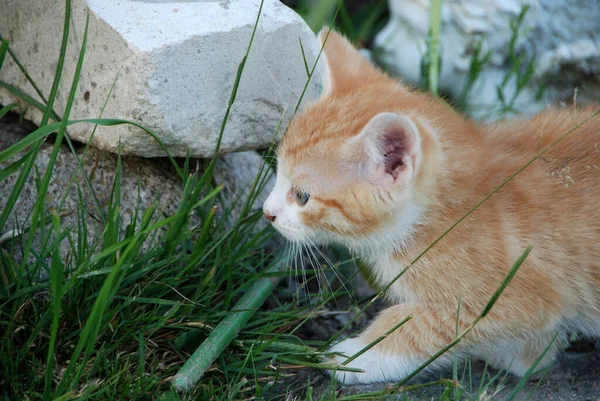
x=519 y=72
x=358 y=20
x=118 y=313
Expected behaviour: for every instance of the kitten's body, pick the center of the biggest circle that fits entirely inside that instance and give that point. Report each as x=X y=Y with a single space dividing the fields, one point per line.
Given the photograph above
x=389 y=170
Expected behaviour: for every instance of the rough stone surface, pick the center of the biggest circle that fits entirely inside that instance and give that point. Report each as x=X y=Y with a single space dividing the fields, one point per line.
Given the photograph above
x=156 y=178
x=563 y=36
x=173 y=65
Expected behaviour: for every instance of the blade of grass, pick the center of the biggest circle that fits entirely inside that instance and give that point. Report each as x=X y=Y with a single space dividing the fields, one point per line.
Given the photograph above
x=79 y=160
x=304 y=58
x=238 y=76
x=3 y=51
x=92 y=327
x=56 y=278
x=376 y=341
x=455 y=356
x=435 y=22
x=38 y=210
x=7 y=108
x=28 y=165
x=230 y=326
x=13 y=168
x=22 y=95
x=312 y=71
x=531 y=370
x=308 y=364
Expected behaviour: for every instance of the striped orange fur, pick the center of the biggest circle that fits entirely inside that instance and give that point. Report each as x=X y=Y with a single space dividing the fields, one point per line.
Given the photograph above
x=385 y=170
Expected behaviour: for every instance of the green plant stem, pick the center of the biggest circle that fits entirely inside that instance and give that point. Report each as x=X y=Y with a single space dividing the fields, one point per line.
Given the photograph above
x=434 y=56
x=229 y=327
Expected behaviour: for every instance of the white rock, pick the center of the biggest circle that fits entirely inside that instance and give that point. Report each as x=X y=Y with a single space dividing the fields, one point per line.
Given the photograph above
x=176 y=63
x=564 y=36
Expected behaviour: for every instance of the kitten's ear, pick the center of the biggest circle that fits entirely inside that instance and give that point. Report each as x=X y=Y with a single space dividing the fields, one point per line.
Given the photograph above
x=388 y=149
x=345 y=65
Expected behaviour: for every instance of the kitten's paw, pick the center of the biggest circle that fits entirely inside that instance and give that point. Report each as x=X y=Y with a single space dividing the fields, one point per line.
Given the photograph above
x=376 y=366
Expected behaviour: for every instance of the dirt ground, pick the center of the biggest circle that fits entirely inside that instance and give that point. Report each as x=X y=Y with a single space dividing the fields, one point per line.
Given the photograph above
x=575 y=377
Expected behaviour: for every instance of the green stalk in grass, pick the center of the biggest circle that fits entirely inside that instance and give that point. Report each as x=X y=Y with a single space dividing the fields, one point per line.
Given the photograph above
x=38 y=210
x=25 y=97
x=319 y=12
x=232 y=96
x=531 y=370
x=340 y=2
x=39 y=207
x=228 y=328
x=376 y=341
x=434 y=36
x=56 y=277
x=10 y=107
x=14 y=195
x=22 y=95
x=43 y=132
x=3 y=50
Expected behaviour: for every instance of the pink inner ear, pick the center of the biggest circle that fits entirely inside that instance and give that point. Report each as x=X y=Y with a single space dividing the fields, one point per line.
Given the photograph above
x=394 y=151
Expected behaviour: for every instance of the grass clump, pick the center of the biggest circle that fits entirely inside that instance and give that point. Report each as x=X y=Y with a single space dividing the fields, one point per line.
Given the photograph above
x=110 y=308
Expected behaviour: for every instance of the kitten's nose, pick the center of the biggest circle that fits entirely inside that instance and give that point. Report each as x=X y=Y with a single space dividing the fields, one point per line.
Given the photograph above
x=269 y=217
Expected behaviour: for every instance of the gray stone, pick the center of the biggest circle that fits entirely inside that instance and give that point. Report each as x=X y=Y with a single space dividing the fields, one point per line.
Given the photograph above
x=562 y=37
x=173 y=65
x=156 y=180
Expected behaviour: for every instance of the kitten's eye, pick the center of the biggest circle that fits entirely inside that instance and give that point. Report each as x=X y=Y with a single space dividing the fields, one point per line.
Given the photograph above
x=301 y=197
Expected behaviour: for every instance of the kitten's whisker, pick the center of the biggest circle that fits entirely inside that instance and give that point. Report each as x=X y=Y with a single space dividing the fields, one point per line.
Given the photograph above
x=314 y=264
x=288 y=268
x=319 y=272
x=296 y=284
x=303 y=270
x=340 y=277
x=330 y=264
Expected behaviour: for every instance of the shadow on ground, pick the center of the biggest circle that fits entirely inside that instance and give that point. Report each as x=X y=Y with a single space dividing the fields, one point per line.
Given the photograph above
x=574 y=377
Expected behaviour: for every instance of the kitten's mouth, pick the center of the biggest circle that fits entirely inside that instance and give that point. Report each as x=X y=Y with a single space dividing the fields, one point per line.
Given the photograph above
x=288 y=234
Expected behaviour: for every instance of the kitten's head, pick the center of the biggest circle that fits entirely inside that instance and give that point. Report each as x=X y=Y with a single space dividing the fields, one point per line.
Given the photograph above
x=351 y=169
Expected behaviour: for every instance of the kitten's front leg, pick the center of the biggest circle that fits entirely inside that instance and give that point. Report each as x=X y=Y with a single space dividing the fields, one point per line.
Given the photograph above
x=377 y=364
x=515 y=336
x=402 y=351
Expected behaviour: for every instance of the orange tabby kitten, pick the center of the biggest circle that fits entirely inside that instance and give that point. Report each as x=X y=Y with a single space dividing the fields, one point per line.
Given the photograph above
x=384 y=171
